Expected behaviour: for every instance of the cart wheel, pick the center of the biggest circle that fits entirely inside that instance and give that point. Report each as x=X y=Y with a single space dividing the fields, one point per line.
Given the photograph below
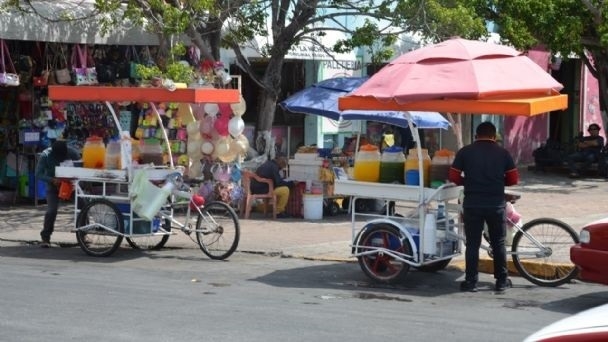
x=97 y=224
x=434 y=266
x=379 y=266
x=217 y=230
x=150 y=242
x=332 y=208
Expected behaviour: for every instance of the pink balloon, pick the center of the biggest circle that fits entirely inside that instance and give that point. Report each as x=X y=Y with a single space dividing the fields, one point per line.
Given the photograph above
x=207 y=125
x=225 y=109
x=221 y=126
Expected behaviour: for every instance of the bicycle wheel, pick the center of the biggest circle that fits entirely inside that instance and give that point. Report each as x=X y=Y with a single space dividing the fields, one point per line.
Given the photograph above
x=97 y=223
x=150 y=242
x=548 y=264
x=382 y=267
x=217 y=230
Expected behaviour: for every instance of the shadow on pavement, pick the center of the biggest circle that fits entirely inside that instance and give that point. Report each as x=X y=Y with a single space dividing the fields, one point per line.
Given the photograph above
x=71 y=253
x=577 y=304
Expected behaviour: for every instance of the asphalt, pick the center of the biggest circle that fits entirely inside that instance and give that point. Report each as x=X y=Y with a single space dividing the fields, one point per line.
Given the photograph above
x=574 y=201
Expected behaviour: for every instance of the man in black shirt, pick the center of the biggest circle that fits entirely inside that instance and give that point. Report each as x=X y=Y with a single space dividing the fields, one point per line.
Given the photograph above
x=487 y=168
x=271 y=169
x=588 y=150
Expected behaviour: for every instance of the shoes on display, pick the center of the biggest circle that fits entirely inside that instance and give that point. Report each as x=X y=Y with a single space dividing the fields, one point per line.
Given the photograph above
x=468 y=286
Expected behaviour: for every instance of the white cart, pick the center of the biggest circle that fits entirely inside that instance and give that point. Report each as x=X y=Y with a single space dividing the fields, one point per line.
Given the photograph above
x=424 y=235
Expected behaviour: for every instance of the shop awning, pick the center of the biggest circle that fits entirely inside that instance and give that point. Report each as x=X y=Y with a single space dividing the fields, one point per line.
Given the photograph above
x=139 y=94
x=15 y=25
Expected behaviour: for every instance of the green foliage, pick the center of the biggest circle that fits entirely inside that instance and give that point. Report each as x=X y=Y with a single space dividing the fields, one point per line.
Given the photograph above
x=175 y=69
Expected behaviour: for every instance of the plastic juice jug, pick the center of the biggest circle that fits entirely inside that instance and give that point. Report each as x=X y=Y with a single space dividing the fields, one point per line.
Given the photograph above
x=367 y=164
x=94 y=153
x=112 y=160
x=392 y=165
x=151 y=152
x=411 y=163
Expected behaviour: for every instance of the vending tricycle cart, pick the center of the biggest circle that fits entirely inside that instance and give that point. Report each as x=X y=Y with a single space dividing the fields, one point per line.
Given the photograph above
x=138 y=203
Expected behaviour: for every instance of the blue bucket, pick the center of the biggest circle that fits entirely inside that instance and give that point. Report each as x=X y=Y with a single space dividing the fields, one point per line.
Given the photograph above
x=412 y=177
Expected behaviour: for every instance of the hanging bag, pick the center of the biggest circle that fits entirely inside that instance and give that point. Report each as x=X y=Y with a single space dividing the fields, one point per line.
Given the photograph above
x=81 y=74
x=43 y=79
x=62 y=75
x=10 y=79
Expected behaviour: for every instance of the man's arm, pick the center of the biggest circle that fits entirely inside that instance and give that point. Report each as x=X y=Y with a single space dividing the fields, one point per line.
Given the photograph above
x=455 y=176
x=41 y=168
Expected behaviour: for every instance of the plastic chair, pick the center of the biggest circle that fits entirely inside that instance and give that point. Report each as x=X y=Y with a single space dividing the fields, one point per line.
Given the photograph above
x=269 y=198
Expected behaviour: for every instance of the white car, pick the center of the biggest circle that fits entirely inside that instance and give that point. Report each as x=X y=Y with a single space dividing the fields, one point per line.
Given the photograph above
x=589 y=325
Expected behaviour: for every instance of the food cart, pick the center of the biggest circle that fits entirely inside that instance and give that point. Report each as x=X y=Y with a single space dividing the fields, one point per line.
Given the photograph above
x=425 y=237
x=119 y=213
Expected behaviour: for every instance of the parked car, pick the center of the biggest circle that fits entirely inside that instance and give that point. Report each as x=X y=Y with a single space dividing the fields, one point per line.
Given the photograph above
x=589 y=325
x=591 y=254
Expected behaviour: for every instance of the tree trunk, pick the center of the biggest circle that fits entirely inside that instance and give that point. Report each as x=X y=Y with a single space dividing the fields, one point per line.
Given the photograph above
x=267 y=105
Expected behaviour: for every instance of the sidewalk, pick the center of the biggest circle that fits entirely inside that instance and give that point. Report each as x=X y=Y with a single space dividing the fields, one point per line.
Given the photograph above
x=575 y=202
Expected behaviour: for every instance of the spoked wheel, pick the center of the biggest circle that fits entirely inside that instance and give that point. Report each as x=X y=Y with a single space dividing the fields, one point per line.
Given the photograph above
x=379 y=266
x=150 y=242
x=548 y=264
x=97 y=223
x=217 y=230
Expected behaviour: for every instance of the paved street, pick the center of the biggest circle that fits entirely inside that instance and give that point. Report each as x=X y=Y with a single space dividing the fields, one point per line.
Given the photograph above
x=576 y=202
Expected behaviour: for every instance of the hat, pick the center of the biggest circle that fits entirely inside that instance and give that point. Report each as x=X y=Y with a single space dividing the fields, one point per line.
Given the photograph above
x=593 y=126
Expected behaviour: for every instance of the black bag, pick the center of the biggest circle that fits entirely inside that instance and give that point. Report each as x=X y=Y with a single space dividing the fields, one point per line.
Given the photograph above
x=106 y=73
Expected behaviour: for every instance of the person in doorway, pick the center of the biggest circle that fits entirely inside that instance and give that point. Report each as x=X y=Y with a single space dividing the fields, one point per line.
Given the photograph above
x=271 y=169
x=588 y=150
x=45 y=171
x=484 y=168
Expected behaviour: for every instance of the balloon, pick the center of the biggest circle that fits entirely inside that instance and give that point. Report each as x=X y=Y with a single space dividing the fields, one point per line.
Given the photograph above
x=212 y=109
x=194 y=145
x=193 y=128
x=225 y=109
x=221 y=126
x=239 y=108
x=236 y=126
x=222 y=147
x=227 y=158
x=207 y=125
x=243 y=143
x=207 y=147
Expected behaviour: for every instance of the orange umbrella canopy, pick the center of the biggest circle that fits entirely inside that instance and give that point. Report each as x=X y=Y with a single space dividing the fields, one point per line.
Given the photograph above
x=460 y=75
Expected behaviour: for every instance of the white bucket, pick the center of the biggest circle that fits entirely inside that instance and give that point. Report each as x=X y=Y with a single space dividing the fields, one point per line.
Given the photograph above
x=313 y=207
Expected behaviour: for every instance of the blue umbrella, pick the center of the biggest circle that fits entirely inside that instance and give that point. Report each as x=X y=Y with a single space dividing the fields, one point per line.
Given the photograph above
x=322 y=99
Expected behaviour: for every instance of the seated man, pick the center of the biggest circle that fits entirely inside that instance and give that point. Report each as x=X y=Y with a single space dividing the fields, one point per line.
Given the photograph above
x=588 y=150
x=271 y=169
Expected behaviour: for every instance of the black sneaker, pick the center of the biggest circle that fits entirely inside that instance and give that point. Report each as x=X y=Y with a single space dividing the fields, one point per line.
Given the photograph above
x=468 y=286
x=45 y=244
x=501 y=286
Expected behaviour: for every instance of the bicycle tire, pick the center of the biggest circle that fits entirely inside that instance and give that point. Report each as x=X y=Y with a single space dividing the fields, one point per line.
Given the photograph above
x=218 y=230
x=554 y=269
x=383 y=268
x=150 y=242
x=99 y=242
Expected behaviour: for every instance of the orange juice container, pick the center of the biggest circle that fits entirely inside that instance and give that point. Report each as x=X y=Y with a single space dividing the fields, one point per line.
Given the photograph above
x=367 y=164
x=94 y=153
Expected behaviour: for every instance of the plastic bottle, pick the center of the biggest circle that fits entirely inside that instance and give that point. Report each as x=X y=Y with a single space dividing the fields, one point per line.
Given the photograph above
x=93 y=153
x=367 y=164
x=151 y=152
x=392 y=163
x=429 y=245
x=112 y=159
x=440 y=165
x=411 y=164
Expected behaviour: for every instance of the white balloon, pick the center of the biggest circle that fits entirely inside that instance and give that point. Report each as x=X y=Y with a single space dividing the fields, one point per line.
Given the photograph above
x=239 y=108
x=236 y=126
x=212 y=109
x=207 y=147
x=193 y=128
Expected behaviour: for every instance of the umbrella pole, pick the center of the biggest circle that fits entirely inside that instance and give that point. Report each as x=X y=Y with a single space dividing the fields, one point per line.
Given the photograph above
x=421 y=204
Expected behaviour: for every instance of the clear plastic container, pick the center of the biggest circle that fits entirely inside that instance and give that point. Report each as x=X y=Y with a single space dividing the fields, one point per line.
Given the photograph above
x=411 y=163
x=94 y=153
x=151 y=152
x=367 y=164
x=112 y=159
x=392 y=165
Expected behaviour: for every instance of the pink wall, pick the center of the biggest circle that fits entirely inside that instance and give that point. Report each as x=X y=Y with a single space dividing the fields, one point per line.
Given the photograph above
x=591 y=102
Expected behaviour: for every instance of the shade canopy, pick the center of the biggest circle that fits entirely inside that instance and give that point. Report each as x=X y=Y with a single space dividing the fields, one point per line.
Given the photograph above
x=322 y=99
x=460 y=75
